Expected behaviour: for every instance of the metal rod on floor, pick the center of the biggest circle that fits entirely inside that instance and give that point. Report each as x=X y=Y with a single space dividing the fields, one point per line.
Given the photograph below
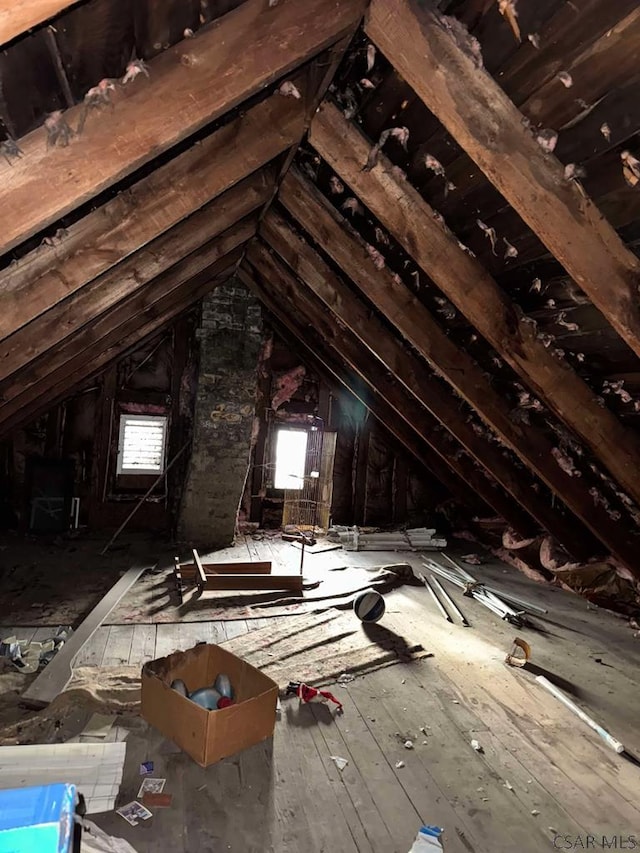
x=463 y=572
x=144 y=497
x=449 y=601
x=514 y=599
x=604 y=734
x=439 y=604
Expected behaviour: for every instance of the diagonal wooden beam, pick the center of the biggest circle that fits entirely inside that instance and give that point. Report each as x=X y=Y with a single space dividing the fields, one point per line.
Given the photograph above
x=17 y=18
x=32 y=382
x=483 y=120
x=153 y=205
x=120 y=341
x=189 y=86
x=124 y=280
x=415 y=323
x=414 y=375
x=417 y=228
x=316 y=352
x=342 y=344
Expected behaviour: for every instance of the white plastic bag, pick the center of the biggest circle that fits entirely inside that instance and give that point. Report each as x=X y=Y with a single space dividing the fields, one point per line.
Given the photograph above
x=427 y=840
x=95 y=840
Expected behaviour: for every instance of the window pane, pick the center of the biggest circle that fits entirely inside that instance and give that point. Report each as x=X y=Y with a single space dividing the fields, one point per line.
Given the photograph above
x=291 y=451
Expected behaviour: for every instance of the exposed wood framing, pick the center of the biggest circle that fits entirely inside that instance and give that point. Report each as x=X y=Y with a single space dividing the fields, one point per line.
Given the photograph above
x=411 y=221
x=334 y=370
x=117 y=342
x=320 y=73
x=342 y=345
x=153 y=205
x=485 y=122
x=424 y=386
x=190 y=85
x=18 y=18
x=415 y=323
x=134 y=275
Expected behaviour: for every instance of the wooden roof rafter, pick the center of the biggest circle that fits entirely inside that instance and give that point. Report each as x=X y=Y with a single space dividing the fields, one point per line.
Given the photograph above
x=463 y=280
x=109 y=346
x=148 y=209
x=128 y=282
x=201 y=72
x=124 y=253
x=485 y=122
x=434 y=395
x=16 y=19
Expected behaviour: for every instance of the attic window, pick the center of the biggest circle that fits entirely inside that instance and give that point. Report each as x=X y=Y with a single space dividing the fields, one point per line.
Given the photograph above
x=142 y=444
x=291 y=452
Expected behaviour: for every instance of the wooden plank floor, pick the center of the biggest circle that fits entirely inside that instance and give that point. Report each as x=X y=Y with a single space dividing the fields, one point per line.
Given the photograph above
x=541 y=771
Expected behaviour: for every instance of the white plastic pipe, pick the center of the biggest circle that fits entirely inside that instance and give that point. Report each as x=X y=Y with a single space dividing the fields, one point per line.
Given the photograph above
x=604 y=734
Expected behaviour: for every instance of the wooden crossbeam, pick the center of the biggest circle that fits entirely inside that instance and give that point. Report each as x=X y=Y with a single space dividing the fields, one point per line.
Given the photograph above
x=483 y=120
x=414 y=375
x=171 y=193
x=411 y=221
x=131 y=276
x=190 y=85
x=130 y=334
x=341 y=345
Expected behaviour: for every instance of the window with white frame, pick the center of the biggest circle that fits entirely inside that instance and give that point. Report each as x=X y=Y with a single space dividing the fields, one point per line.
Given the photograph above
x=142 y=444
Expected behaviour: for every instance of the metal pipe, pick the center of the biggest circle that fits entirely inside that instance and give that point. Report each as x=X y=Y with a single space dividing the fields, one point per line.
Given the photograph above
x=450 y=601
x=439 y=604
x=462 y=571
x=604 y=734
x=434 y=567
x=514 y=599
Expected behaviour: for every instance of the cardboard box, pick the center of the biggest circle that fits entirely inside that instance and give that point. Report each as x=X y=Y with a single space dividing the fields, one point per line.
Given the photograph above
x=208 y=736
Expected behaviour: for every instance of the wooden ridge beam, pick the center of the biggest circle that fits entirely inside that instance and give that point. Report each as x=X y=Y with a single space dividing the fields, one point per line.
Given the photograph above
x=277 y=280
x=464 y=281
x=189 y=86
x=123 y=281
x=484 y=121
x=124 y=340
x=415 y=376
x=333 y=369
x=184 y=284
x=149 y=208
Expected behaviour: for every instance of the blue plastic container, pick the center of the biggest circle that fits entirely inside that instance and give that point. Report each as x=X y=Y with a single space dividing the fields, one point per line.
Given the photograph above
x=37 y=819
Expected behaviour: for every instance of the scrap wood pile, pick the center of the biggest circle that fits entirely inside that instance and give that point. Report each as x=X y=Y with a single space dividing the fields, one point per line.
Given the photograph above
x=415 y=539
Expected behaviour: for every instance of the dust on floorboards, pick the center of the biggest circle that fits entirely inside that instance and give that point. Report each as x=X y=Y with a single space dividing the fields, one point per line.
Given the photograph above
x=541 y=771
